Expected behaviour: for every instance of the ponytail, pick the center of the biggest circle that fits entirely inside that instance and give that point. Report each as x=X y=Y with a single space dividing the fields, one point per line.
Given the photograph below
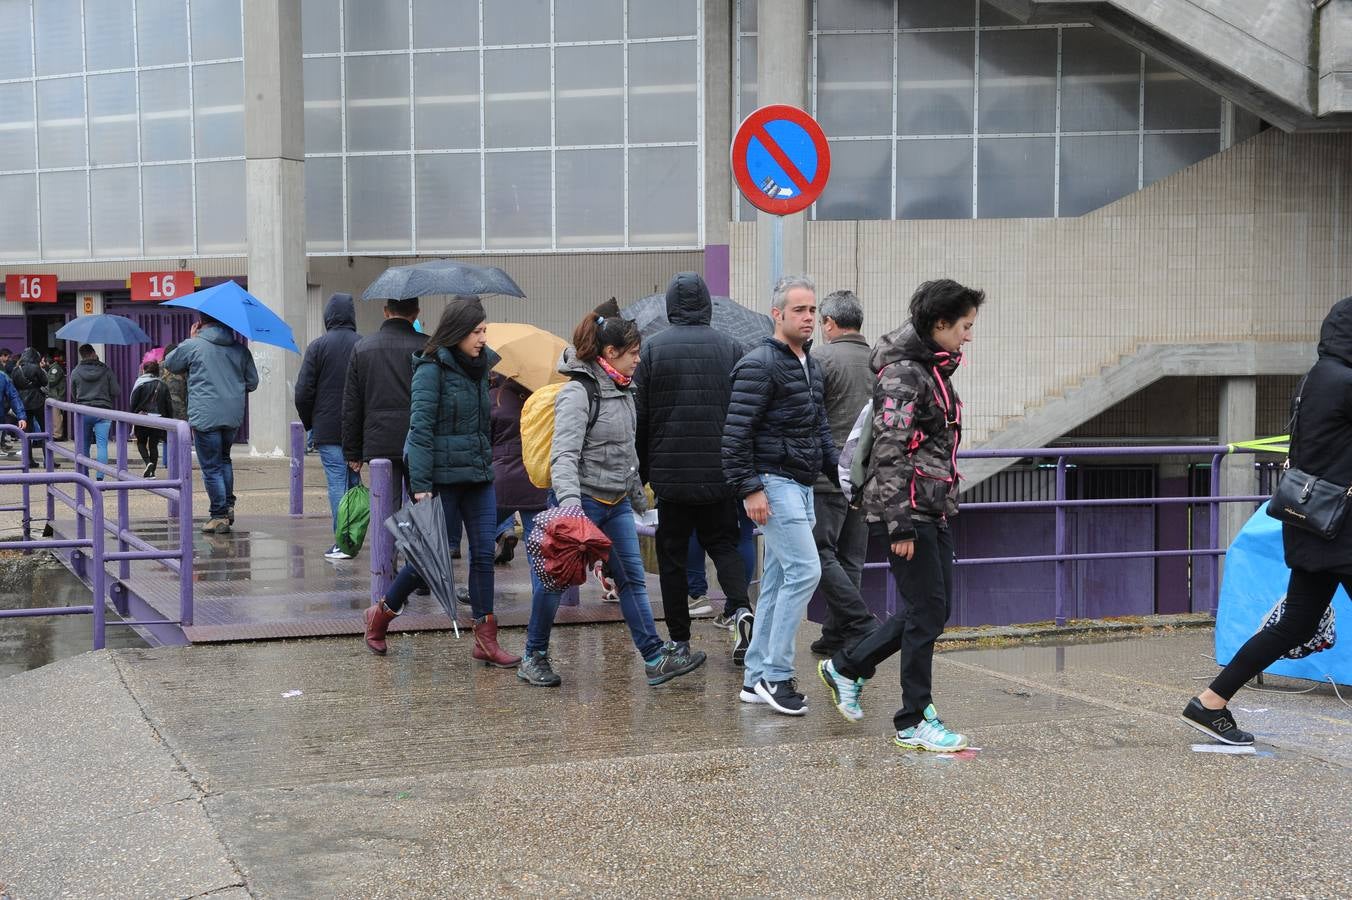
x=604 y=327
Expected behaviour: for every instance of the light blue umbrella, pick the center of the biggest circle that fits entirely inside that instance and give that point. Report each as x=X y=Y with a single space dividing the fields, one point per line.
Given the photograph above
x=103 y=329
x=236 y=308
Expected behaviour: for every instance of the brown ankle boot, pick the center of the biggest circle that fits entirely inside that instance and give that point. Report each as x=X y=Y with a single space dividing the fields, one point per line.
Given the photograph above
x=378 y=619
x=486 y=644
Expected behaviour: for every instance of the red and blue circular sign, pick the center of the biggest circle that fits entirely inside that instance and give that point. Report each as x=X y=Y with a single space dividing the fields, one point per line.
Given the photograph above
x=780 y=159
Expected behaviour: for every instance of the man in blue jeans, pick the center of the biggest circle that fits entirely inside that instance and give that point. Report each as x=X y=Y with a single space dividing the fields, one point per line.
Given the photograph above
x=776 y=441
x=220 y=372
x=319 y=400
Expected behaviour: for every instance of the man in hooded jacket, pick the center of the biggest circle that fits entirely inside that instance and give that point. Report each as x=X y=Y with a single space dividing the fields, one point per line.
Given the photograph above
x=92 y=383
x=319 y=399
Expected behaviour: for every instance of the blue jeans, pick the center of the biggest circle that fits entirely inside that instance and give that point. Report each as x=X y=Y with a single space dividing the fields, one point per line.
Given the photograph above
x=695 y=574
x=96 y=431
x=476 y=506
x=218 y=472
x=626 y=567
x=792 y=569
x=339 y=476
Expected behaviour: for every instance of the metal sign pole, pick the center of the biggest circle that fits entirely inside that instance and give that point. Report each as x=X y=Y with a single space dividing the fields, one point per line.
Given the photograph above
x=776 y=250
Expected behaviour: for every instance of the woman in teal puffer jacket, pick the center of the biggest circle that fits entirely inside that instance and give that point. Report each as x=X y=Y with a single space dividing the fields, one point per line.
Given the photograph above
x=450 y=455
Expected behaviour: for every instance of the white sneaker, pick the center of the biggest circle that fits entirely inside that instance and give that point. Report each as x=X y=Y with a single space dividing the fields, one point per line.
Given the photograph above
x=335 y=553
x=700 y=606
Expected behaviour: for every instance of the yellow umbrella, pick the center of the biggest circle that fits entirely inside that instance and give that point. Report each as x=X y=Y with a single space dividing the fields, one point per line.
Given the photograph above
x=530 y=355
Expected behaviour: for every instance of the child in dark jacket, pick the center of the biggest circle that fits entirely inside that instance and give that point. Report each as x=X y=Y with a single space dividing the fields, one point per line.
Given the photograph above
x=150 y=397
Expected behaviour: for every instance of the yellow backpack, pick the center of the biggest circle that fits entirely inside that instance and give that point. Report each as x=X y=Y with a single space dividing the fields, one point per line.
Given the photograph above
x=537 y=426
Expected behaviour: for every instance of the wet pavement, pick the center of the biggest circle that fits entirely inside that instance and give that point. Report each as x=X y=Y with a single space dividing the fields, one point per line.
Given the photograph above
x=421 y=774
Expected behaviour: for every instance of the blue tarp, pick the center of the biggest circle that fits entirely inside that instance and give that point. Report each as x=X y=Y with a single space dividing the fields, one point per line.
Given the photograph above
x=1255 y=579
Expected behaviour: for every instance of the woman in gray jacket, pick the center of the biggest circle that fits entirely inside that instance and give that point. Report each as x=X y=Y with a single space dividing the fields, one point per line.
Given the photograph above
x=596 y=468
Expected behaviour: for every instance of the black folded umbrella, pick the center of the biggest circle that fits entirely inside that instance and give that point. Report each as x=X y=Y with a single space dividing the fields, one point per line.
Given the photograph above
x=440 y=276
x=419 y=531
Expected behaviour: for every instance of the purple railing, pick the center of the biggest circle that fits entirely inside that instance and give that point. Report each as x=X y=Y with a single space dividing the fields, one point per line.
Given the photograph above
x=92 y=481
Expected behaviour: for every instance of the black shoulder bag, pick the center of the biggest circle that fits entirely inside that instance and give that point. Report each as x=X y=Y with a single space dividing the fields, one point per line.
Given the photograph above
x=1306 y=501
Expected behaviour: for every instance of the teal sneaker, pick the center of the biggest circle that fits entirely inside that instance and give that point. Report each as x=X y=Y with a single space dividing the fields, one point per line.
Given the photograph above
x=844 y=691
x=931 y=734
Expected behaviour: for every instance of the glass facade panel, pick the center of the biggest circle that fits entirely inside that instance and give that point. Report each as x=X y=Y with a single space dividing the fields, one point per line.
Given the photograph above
x=110 y=35
x=861 y=181
x=445 y=100
x=662 y=92
x=112 y=118
x=218 y=109
x=377 y=102
x=375 y=25
x=1018 y=81
x=445 y=23
x=1095 y=171
x=668 y=18
x=323 y=105
x=379 y=202
x=1100 y=82
x=1014 y=177
x=61 y=122
x=16 y=46
x=1173 y=101
x=854 y=84
x=748 y=93
x=324 y=203
x=589 y=95
x=17 y=149
x=56 y=25
x=663 y=207
x=166 y=115
x=854 y=14
x=934 y=82
x=516 y=196
x=1165 y=154
x=590 y=186
x=161 y=32
x=115 y=210
x=221 y=207
x=516 y=22
x=590 y=20
x=447 y=186
x=516 y=98
x=320 y=26
x=19 y=234
x=216 y=28
x=65 y=215
x=934 y=14
x=166 y=204
x=934 y=179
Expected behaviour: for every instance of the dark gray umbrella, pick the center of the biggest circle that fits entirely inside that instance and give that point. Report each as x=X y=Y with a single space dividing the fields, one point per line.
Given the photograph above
x=745 y=326
x=419 y=531
x=440 y=276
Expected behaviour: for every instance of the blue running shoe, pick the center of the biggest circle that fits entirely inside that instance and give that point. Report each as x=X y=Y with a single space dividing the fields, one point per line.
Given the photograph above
x=844 y=691
x=931 y=734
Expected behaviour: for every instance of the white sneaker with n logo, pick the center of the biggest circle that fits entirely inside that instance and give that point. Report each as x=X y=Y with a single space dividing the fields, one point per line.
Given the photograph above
x=782 y=696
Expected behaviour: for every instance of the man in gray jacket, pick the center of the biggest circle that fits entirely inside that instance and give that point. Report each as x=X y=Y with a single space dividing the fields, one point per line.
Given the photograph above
x=840 y=532
x=220 y=372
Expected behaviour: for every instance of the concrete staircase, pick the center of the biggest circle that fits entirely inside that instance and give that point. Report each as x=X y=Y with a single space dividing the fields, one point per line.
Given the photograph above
x=1060 y=413
x=1289 y=61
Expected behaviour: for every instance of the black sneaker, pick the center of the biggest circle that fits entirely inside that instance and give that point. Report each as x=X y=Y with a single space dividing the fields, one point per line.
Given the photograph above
x=823 y=647
x=741 y=635
x=148 y=471
x=535 y=669
x=1215 y=723
x=676 y=660
x=782 y=696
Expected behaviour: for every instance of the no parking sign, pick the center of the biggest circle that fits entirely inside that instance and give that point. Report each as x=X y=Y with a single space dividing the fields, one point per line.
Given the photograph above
x=780 y=159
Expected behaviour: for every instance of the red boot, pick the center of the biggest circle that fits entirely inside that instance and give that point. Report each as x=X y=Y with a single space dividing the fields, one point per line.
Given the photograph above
x=486 y=644
x=378 y=619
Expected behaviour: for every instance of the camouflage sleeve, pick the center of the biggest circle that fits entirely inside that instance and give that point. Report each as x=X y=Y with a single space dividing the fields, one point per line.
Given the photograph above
x=895 y=396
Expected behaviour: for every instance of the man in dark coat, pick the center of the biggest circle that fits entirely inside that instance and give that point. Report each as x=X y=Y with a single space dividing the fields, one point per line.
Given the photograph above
x=319 y=399
x=93 y=384
x=682 y=386
x=378 y=390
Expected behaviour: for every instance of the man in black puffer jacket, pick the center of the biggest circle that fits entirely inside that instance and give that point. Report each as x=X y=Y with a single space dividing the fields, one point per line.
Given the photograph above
x=776 y=441
x=682 y=386
x=379 y=388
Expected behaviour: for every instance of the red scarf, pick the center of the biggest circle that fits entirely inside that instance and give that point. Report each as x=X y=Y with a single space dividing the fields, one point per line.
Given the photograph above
x=620 y=380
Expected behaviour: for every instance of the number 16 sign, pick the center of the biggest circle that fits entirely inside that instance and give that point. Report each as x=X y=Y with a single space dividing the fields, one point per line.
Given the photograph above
x=156 y=287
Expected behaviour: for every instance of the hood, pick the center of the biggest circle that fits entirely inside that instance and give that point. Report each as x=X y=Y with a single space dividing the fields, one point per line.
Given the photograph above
x=906 y=343
x=1335 y=337
x=688 y=301
x=568 y=362
x=89 y=370
x=143 y=378
x=339 y=312
x=31 y=355
x=217 y=334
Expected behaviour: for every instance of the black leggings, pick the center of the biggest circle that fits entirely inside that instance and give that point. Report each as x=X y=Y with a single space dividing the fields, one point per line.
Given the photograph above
x=148 y=445
x=1307 y=596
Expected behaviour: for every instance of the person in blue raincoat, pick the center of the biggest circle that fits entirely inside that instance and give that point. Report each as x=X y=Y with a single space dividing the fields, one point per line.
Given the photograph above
x=10 y=404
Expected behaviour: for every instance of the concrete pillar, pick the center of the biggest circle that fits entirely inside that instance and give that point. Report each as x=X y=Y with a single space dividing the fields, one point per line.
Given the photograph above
x=1238 y=421
x=1334 y=30
x=274 y=141
x=782 y=51
x=719 y=193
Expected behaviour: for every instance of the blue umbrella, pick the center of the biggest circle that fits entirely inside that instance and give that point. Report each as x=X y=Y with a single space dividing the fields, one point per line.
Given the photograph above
x=236 y=308
x=440 y=276
x=103 y=329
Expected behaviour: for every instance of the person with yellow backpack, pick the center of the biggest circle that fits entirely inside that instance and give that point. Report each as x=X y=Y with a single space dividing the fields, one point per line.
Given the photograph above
x=577 y=438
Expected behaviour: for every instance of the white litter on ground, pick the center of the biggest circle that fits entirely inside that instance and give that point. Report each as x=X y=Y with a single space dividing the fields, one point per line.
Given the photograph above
x=289 y=694
x=1224 y=748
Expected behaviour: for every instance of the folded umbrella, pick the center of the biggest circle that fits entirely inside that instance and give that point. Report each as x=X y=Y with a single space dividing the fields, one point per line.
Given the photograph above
x=419 y=531
x=745 y=326
x=103 y=329
x=563 y=545
x=530 y=355
x=440 y=276
x=236 y=308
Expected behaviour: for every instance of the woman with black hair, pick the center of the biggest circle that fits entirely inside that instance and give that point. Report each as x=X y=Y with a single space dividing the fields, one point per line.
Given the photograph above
x=149 y=397
x=910 y=494
x=594 y=465
x=31 y=380
x=449 y=454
